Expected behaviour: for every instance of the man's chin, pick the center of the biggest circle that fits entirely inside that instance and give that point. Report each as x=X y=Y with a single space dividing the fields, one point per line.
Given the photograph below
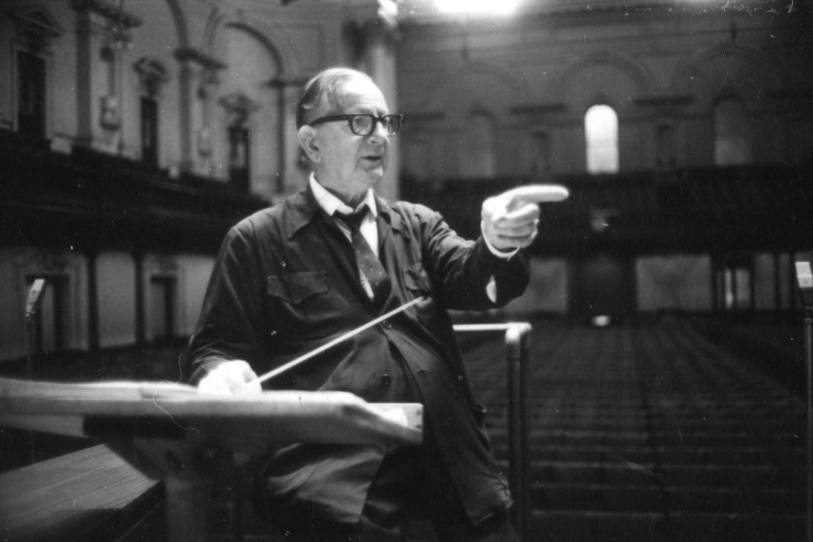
x=374 y=174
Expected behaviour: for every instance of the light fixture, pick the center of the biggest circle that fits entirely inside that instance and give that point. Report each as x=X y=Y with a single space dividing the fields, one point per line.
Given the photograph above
x=804 y=280
x=498 y=7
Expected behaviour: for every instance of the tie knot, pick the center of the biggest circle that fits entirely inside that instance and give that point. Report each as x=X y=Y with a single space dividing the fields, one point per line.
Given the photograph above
x=355 y=218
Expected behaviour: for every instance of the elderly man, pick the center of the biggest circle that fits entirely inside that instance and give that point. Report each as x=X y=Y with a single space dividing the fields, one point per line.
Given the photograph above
x=297 y=275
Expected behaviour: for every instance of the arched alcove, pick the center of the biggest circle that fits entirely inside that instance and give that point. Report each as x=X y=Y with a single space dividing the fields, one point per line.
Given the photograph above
x=251 y=64
x=730 y=70
x=609 y=79
x=478 y=136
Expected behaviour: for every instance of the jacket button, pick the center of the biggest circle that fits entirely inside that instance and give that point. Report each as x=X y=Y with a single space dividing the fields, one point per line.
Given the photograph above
x=386 y=380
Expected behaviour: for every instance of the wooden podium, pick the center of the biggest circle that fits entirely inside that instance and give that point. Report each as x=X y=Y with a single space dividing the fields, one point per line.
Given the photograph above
x=173 y=433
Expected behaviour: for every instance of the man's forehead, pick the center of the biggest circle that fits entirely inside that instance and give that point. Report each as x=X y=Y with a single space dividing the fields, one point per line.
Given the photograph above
x=359 y=91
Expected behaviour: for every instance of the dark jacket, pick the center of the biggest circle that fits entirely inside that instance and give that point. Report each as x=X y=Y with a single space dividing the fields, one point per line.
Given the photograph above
x=285 y=282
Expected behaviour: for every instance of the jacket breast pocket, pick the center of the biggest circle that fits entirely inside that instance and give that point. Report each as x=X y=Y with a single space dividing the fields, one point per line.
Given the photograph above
x=300 y=307
x=417 y=281
x=296 y=288
x=419 y=284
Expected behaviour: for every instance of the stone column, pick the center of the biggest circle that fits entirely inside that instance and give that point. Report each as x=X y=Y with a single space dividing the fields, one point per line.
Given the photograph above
x=103 y=36
x=199 y=81
x=284 y=87
x=373 y=38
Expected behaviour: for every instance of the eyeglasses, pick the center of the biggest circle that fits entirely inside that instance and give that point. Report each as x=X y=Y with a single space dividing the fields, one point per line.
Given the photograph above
x=364 y=125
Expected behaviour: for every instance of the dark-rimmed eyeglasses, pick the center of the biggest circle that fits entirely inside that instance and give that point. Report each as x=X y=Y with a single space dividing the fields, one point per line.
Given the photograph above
x=364 y=125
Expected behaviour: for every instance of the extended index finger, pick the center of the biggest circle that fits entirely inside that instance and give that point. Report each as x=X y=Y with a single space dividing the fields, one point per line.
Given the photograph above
x=538 y=193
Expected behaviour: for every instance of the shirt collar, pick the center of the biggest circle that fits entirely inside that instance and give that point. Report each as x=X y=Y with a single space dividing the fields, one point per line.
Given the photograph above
x=332 y=204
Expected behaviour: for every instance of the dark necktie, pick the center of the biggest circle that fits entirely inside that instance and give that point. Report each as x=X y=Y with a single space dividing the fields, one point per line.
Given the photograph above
x=368 y=263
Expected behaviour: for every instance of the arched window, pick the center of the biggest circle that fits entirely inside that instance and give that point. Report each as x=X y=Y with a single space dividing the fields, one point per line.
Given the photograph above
x=730 y=133
x=239 y=109
x=149 y=131
x=38 y=32
x=152 y=75
x=601 y=135
x=30 y=95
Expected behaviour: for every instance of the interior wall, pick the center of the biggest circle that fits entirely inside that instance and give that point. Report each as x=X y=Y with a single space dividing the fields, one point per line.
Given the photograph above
x=116 y=294
x=652 y=66
x=679 y=282
x=547 y=292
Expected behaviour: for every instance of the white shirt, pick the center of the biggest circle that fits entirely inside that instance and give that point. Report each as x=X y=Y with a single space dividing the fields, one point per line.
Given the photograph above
x=369 y=229
x=332 y=204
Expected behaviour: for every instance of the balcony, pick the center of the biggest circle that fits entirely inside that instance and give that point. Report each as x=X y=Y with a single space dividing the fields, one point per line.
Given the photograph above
x=754 y=208
x=91 y=200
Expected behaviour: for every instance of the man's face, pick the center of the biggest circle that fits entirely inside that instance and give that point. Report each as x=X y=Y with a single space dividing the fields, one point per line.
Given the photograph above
x=349 y=164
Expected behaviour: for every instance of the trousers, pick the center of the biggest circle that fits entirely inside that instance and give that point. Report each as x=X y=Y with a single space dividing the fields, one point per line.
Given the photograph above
x=408 y=485
x=412 y=482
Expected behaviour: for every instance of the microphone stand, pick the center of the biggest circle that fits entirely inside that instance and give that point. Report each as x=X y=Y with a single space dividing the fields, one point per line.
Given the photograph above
x=31 y=329
x=808 y=342
x=35 y=295
x=804 y=278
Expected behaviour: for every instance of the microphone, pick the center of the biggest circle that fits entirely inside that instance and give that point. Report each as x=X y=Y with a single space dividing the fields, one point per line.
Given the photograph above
x=35 y=295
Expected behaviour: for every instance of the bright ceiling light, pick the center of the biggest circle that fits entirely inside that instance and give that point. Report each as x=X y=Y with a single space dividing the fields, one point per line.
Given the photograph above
x=501 y=7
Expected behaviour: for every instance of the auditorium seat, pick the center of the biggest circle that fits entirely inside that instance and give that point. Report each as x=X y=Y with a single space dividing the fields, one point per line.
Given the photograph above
x=648 y=431
x=642 y=431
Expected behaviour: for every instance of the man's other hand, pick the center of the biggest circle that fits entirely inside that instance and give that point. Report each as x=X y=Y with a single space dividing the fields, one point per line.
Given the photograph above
x=510 y=219
x=231 y=377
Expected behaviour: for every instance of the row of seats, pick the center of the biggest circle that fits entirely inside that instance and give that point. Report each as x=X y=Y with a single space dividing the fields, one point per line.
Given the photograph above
x=649 y=431
x=639 y=431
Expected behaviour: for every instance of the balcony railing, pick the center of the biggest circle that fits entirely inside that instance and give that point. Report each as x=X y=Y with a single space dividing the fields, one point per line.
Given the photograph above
x=764 y=207
x=94 y=200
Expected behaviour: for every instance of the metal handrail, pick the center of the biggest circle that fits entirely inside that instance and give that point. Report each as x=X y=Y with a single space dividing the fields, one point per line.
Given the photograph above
x=517 y=339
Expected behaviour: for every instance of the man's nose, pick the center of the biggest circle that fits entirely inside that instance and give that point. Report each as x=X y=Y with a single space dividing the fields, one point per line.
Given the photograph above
x=380 y=131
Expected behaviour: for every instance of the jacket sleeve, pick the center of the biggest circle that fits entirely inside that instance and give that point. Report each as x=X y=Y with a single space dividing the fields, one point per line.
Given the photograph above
x=229 y=326
x=461 y=269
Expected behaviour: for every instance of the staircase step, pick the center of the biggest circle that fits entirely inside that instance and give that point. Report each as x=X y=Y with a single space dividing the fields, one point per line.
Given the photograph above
x=598 y=497
x=704 y=455
x=654 y=499
x=721 y=475
x=623 y=439
x=591 y=526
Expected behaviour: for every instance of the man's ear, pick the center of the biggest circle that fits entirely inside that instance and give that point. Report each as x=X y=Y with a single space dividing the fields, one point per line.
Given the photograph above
x=309 y=143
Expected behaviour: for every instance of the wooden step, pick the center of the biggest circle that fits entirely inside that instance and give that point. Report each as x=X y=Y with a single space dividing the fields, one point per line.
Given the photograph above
x=90 y=494
x=720 y=475
x=653 y=498
x=590 y=526
x=690 y=455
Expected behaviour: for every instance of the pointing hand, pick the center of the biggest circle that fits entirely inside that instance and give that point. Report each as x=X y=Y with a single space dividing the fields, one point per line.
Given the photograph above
x=510 y=219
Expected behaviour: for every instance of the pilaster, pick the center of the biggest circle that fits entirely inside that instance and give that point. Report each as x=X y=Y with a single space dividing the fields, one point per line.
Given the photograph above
x=198 y=88
x=103 y=39
x=373 y=35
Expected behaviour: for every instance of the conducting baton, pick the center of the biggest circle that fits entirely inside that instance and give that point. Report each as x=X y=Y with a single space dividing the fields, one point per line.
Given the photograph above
x=352 y=333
